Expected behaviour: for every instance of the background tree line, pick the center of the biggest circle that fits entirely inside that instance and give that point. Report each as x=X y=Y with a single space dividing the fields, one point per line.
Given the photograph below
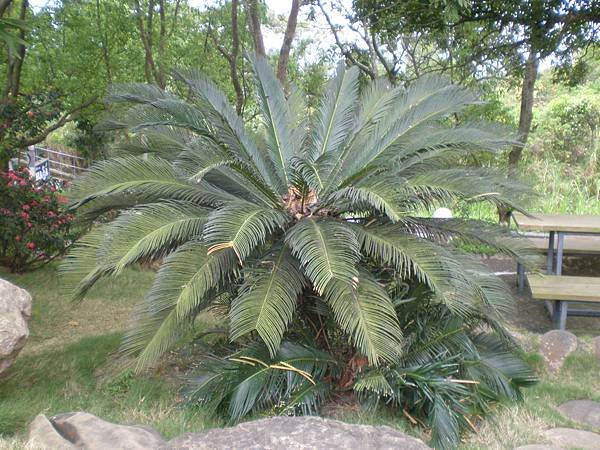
x=58 y=61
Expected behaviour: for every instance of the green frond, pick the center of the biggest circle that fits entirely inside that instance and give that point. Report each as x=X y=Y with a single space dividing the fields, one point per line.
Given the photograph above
x=382 y=195
x=335 y=118
x=426 y=101
x=327 y=250
x=85 y=264
x=203 y=157
x=472 y=185
x=367 y=315
x=186 y=283
x=267 y=299
x=275 y=117
x=144 y=180
x=163 y=141
x=153 y=230
x=478 y=232
x=227 y=127
x=242 y=227
x=251 y=381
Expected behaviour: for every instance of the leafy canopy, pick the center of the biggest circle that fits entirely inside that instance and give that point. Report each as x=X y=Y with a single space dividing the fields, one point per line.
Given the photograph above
x=313 y=207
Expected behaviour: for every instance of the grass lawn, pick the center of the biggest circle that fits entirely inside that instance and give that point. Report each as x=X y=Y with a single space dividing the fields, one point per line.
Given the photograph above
x=68 y=364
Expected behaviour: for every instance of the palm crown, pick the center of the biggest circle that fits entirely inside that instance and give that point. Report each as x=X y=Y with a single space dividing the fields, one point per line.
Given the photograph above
x=311 y=206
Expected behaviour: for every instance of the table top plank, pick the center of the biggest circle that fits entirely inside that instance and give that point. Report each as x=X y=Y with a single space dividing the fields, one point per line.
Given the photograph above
x=556 y=287
x=558 y=222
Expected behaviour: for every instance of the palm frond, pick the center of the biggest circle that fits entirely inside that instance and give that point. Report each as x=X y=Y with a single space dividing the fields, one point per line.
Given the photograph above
x=327 y=250
x=367 y=315
x=153 y=230
x=267 y=299
x=383 y=195
x=275 y=117
x=250 y=381
x=336 y=114
x=139 y=180
x=242 y=227
x=186 y=283
x=85 y=264
x=227 y=127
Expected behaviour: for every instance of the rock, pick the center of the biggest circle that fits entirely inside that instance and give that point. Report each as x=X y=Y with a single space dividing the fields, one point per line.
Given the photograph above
x=43 y=436
x=596 y=344
x=555 y=346
x=571 y=438
x=296 y=433
x=539 y=447
x=583 y=411
x=15 y=310
x=83 y=430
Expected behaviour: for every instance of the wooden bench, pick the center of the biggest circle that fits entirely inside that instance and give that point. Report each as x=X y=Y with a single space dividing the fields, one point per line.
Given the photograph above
x=574 y=245
x=565 y=289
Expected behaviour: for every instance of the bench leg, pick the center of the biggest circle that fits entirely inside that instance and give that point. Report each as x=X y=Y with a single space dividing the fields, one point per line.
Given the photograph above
x=560 y=314
x=550 y=254
x=520 y=278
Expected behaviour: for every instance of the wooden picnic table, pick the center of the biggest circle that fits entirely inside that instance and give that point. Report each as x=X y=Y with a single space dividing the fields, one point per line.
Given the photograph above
x=558 y=226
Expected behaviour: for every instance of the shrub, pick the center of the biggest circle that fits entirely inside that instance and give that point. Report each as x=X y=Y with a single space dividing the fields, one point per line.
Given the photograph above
x=35 y=227
x=306 y=232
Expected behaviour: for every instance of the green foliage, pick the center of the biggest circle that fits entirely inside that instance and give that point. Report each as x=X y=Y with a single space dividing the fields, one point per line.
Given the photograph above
x=291 y=381
x=448 y=373
x=24 y=118
x=35 y=226
x=570 y=125
x=307 y=220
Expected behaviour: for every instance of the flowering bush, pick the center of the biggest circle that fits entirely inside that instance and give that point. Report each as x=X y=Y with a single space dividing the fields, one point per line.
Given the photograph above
x=35 y=227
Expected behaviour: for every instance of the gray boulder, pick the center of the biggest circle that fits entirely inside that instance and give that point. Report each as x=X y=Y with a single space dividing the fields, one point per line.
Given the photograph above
x=15 y=310
x=555 y=346
x=583 y=411
x=571 y=438
x=84 y=430
x=296 y=433
x=43 y=436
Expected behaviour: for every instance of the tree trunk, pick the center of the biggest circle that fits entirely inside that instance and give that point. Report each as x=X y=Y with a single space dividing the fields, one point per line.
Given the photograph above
x=4 y=4
x=526 y=114
x=254 y=24
x=15 y=62
x=284 y=53
x=235 y=51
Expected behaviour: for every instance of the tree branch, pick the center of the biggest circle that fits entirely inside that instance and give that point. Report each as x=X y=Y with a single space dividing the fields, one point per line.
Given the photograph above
x=69 y=116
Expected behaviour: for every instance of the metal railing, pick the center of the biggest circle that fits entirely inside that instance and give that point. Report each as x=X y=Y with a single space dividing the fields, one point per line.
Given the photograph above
x=62 y=165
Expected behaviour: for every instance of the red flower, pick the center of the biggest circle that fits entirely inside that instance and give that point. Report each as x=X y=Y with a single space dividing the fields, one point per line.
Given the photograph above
x=24 y=215
x=52 y=189
x=51 y=214
x=17 y=238
x=30 y=245
x=29 y=224
x=23 y=183
x=26 y=207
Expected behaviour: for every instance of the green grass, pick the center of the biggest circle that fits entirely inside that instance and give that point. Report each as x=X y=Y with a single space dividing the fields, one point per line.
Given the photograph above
x=69 y=364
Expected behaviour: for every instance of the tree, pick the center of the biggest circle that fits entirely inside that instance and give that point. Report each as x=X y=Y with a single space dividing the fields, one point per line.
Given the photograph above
x=288 y=37
x=516 y=34
x=302 y=218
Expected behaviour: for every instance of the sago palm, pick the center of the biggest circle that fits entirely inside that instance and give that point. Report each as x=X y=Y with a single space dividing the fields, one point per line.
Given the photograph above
x=308 y=206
